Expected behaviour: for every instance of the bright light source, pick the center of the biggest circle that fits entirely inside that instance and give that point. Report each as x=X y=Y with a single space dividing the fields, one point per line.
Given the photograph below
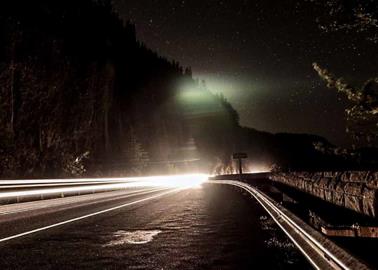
x=174 y=181
x=101 y=184
x=258 y=169
x=179 y=181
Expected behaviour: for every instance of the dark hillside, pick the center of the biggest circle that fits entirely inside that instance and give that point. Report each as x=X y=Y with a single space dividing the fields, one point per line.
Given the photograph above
x=81 y=96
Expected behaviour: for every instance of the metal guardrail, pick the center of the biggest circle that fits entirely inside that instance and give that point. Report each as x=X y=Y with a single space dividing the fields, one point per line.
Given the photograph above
x=319 y=250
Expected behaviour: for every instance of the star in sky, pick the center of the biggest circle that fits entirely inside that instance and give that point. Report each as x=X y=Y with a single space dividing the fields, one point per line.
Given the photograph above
x=259 y=54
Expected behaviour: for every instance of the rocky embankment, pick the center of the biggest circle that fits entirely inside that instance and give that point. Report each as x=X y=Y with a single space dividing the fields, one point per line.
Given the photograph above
x=356 y=190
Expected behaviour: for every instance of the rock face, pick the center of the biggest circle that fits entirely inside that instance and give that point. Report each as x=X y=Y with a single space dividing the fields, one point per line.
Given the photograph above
x=355 y=190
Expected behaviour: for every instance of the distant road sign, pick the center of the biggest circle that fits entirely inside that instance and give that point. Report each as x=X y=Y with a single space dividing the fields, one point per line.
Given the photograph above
x=239 y=155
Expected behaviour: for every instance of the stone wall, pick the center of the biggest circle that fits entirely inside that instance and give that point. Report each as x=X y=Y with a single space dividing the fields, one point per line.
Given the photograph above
x=356 y=190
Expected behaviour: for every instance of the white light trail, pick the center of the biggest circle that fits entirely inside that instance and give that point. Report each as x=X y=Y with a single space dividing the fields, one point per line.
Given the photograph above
x=172 y=182
x=107 y=179
x=52 y=185
x=88 y=215
x=105 y=184
x=43 y=204
x=281 y=218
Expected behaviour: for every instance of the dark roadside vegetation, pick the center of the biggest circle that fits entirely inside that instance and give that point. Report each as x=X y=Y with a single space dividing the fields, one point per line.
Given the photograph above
x=81 y=96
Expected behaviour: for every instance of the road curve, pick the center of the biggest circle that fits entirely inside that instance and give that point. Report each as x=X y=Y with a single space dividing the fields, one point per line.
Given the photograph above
x=155 y=228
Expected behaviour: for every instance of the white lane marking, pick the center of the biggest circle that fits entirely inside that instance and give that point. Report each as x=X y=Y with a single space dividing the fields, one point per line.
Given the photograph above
x=87 y=216
x=62 y=202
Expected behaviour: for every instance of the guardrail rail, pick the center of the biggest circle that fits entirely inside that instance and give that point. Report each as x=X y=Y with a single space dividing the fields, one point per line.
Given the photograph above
x=321 y=252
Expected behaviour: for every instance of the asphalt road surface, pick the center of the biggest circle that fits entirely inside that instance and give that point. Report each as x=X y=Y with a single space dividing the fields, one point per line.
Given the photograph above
x=213 y=227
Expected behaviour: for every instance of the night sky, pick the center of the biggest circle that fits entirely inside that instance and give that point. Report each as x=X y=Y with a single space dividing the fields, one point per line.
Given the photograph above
x=259 y=54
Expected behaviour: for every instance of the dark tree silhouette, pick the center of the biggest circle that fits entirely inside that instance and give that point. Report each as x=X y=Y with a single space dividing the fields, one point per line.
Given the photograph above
x=363 y=115
x=79 y=95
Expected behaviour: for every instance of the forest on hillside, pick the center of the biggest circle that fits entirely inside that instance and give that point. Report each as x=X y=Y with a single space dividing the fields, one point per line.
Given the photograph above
x=80 y=95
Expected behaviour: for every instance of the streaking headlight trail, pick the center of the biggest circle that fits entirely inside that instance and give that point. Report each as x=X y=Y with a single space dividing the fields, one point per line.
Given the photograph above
x=48 y=186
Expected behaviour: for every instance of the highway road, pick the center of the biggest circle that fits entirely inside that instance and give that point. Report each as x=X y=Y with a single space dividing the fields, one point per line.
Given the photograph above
x=210 y=227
